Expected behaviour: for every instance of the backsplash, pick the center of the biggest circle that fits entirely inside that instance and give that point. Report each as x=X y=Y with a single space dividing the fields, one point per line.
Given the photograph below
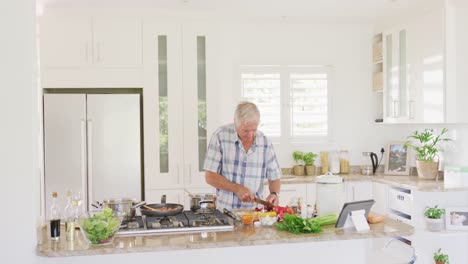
x=355 y=170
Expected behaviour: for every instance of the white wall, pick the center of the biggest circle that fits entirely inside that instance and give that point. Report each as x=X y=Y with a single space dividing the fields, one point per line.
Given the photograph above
x=19 y=133
x=346 y=47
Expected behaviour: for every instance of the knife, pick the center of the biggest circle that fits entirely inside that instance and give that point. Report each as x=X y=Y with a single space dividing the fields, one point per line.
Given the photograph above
x=263 y=202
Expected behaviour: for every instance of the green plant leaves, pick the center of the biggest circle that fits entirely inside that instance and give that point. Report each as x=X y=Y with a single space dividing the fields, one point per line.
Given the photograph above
x=427 y=147
x=434 y=212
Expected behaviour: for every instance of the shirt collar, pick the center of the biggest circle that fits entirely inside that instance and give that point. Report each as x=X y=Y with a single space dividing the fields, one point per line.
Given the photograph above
x=238 y=140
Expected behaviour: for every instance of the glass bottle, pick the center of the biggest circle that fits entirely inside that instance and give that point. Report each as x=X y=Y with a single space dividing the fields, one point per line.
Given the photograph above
x=77 y=206
x=344 y=162
x=69 y=215
x=334 y=162
x=324 y=161
x=54 y=219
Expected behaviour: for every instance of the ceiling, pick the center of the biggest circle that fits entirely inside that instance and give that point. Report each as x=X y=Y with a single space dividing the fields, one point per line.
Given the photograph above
x=311 y=10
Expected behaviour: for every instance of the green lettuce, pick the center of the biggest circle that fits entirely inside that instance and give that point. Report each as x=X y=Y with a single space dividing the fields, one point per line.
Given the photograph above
x=101 y=226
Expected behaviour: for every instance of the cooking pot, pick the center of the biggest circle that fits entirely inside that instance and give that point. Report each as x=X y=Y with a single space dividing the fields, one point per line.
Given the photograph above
x=125 y=206
x=202 y=202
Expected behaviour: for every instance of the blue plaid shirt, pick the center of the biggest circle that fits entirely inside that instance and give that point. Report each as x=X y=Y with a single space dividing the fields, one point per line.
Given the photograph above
x=226 y=156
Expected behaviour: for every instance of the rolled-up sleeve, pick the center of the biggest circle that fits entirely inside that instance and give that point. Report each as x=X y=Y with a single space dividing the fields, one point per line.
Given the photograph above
x=213 y=156
x=273 y=170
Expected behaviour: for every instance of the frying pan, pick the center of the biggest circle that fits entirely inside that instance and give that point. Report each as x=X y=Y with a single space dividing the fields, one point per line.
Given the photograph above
x=154 y=209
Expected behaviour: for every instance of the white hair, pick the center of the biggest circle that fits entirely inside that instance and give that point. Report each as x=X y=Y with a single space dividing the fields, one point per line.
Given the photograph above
x=246 y=112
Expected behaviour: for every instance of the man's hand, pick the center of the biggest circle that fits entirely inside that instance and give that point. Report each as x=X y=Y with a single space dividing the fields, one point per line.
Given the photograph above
x=272 y=198
x=244 y=194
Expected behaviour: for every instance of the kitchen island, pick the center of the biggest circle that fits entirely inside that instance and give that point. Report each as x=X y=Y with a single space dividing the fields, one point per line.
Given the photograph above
x=241 y=238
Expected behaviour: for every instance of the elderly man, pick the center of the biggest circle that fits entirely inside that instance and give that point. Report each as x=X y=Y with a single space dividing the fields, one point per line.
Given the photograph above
x=239 y=159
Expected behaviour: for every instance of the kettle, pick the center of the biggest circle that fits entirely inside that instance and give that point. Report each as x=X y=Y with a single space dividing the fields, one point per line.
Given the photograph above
x=369 y=163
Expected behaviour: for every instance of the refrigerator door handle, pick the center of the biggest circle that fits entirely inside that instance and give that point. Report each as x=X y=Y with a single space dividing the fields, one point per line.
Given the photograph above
x=83 y=159
x=90 y=160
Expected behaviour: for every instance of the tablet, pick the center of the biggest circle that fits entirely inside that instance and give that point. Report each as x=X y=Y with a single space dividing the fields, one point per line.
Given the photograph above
x=353 y=206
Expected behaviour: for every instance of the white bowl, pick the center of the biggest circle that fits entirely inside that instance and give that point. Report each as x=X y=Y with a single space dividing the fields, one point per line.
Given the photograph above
x=268 y=220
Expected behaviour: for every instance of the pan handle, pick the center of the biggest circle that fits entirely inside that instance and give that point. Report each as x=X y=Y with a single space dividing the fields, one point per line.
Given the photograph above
x=139 y=204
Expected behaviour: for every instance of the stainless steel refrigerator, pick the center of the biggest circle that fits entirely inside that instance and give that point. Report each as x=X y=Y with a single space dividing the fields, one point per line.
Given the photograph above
x=92 y=145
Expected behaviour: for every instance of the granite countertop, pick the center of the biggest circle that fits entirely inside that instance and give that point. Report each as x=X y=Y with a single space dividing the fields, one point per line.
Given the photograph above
x=240 y=236
x=407 y=182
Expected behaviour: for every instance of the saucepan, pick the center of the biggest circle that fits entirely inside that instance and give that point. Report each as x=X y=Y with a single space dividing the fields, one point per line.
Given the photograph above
x=125 y=205
x=161 y=210
x=202 y=201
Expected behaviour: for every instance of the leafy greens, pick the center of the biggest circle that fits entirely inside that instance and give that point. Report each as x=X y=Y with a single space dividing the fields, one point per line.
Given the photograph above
x=100 y=227
x=298 y=225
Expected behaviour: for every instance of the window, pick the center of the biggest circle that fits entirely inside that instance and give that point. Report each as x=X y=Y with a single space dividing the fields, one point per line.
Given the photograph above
x=293 y=100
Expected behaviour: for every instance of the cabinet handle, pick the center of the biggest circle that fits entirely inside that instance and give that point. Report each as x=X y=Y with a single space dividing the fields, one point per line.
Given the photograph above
x=83 y=160
x=90 y=160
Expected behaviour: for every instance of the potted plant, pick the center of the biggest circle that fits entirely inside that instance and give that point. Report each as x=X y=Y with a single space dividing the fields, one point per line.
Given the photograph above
x=434 y=218
x=426 y=151
x=298 y=157
x=440 y=257
x=309 y=160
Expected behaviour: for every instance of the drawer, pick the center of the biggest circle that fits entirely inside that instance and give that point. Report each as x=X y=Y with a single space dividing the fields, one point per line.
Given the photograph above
x=400 y=200
x=400 y=217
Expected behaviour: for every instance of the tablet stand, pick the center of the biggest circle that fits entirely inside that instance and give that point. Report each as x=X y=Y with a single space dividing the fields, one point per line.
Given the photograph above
x=358 y=220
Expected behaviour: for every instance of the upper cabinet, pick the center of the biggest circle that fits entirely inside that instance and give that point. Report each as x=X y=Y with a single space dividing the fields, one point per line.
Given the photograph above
x=456 y=13
x=180 y=75
x=90 y=52
x=90 y=42
x=423 y=69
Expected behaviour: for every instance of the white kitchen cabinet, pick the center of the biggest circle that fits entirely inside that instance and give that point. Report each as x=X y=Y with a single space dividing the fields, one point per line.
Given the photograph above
x=358 y=191
x=417 y=70
x=292 y=192
x=456 y=18
x=70 y=41
x=180 y=70
x=379 y=191
x=395 y=75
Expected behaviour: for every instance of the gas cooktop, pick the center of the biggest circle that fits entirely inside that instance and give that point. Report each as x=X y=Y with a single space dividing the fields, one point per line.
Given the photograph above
x=185 y=222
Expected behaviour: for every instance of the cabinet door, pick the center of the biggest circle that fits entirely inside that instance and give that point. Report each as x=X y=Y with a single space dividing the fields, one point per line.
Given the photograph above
x=290 y=193
x=357 y=191
x=199 y=68
x=164 y=162
x=311 y=189
x=395 y=68
x=117 y=42
x=425 y=60
x=379 y=191
x=65 y=41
